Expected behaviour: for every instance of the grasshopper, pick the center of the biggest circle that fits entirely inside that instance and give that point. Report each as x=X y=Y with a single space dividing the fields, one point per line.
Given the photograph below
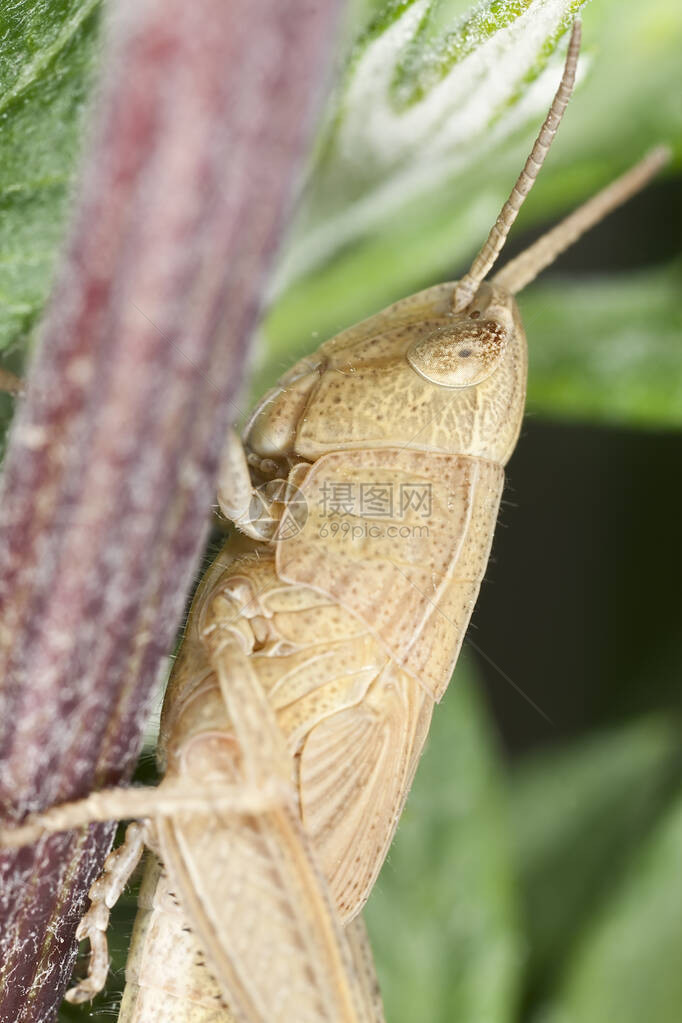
x=365 y=491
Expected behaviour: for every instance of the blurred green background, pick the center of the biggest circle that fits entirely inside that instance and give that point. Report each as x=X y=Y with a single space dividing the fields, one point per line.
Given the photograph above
x=535 y=876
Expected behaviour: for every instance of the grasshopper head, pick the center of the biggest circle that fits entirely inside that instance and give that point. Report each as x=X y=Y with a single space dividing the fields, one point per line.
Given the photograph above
x=441 y=371
x=416 y=375
x=445 y=369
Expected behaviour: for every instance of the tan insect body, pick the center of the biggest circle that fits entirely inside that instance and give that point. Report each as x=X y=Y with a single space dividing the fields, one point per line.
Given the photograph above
x=303 y=692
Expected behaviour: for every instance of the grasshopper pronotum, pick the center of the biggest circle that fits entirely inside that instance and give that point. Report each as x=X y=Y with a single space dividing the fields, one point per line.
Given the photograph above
x=318 y=644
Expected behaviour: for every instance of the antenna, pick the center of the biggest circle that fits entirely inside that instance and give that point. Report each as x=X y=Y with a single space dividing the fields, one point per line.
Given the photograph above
x=521 y=271
x=468 y=285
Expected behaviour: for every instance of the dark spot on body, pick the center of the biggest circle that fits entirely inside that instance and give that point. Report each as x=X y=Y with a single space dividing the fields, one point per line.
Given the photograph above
x=464 y=353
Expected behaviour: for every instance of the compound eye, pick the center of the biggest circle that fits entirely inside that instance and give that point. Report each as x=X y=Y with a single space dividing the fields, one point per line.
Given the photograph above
x=461 y=355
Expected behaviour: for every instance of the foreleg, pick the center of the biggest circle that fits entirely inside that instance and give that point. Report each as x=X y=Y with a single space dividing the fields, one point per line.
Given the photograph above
x=255 y=511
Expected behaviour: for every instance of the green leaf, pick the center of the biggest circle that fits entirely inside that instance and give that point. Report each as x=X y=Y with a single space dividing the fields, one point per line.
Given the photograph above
x=608 y=349
x=577 y=815
x=627 y=966
x=6 y=413
x=47 y=49
x=442 y=917
x=425 y=142
x=430 y=88
x=432 y=122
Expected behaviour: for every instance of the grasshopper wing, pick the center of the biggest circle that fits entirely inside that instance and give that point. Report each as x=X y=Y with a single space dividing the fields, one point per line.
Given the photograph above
x=401 y=539
x=356 y=768
x=363 y=963
x=249 y=884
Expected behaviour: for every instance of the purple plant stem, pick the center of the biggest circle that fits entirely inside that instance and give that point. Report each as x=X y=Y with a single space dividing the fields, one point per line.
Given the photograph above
x=199 y=131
